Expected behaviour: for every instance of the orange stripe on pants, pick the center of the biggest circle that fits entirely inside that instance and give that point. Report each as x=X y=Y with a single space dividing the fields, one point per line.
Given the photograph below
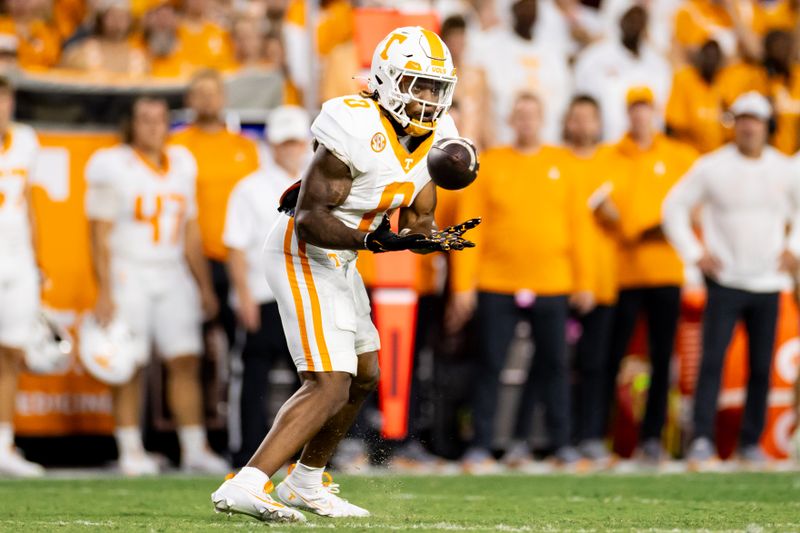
x=298 y=301
x=316 y=314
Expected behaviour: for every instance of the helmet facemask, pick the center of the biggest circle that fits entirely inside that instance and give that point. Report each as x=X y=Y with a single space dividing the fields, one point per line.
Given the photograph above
x=434 y=94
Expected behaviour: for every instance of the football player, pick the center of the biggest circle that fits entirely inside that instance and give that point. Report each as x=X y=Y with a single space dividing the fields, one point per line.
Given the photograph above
x=19 y=283
x=370 y=160
x=149 y=266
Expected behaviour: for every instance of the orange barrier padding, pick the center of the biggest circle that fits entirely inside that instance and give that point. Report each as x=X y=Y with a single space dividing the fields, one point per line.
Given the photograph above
x=395 y=313
x=73 y=402
x=632 y=383
x=373 y=24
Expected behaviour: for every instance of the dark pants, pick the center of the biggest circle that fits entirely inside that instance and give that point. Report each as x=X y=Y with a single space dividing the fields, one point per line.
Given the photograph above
x=496 y=318
x=724 y=308
x=591 y=355
x=222 y=287
x=262 y=349
x=662 y=307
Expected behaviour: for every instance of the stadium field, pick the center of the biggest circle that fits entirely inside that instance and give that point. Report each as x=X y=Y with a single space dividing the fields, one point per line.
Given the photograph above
x=709 y=502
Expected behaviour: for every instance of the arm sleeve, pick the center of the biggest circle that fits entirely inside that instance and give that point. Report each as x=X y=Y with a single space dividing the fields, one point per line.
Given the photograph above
x=676 y=213
x=191 y=196
x=102 y=200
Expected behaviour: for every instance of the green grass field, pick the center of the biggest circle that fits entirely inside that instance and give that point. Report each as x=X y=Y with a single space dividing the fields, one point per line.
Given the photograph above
x=752 y=502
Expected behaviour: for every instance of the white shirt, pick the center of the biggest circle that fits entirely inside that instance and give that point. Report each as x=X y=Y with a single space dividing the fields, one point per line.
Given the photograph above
x=606 y=70
x=149 y=207
x=17 y=160
x=747 y=204
x=514 y=65
x=252 y=211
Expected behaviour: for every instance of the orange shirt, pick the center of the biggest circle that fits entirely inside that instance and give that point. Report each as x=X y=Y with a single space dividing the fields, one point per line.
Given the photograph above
x=335 y=27
x=206 y=45
x=38 y=43
x=592 y=173
x=68 y=15
x=535 y=233
x=697 y=21
x=694 y=111
x=642 y=182
x=780 y=15
x=223 y=158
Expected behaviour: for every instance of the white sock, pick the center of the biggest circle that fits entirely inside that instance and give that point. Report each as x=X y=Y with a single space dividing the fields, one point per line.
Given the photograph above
x=129 y=440
x=307 y=477
x=6 y=437
x=192 y=439
x=252 y=478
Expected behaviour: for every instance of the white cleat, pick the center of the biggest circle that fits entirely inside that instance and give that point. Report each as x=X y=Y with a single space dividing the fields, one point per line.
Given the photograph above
x=205 y=462
x=232 y=497
x=13 y=464
x=322 y=500
x=138 y=464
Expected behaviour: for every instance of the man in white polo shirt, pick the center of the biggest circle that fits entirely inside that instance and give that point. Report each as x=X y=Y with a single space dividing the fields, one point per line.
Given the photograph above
x=252 y=211
x=749 y=194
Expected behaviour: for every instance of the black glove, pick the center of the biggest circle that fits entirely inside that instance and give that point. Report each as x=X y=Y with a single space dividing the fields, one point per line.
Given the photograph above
x=451 y=238
x=383 y=239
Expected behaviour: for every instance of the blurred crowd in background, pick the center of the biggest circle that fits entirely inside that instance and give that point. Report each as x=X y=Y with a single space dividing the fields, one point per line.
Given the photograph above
x=618 y=97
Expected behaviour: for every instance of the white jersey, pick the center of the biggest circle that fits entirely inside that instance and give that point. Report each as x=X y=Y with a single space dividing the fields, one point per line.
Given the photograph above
x=148 y=206
x=252 y=211
x=385 y=175
x=17 y=158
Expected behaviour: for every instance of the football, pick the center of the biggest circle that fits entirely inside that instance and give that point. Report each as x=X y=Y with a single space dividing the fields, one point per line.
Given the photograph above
x=453 y=163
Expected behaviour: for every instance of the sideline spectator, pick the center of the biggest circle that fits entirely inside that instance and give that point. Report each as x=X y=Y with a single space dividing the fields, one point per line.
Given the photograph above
x=697 y=102
x=111 y=48
x=205 y=43
x=593 y=167
x=223 y=158
x=527 y=64
x=532 y=198
x=25 y=35
x=252 y=211
x=750 y=194
x=606 y=70
x=650 y=271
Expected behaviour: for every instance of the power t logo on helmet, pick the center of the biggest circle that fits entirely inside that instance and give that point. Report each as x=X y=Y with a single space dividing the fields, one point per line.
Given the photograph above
x=409 y=62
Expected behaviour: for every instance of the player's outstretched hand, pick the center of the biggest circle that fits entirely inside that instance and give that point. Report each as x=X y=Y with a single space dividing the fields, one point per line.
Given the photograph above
x=383 y=239
x=451 y=238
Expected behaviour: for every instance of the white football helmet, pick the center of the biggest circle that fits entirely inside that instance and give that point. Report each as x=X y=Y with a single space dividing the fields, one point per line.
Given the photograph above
x=408 y=61
x=111 y=354
x=49 y=347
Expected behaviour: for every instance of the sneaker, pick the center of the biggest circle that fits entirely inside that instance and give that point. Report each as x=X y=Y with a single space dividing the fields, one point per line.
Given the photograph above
x=753 y=458
x=651 y=451
x=351 y=457
x=138 y=464
x=232 y=497
x=479 y=462
x=701 y=456
x=518 y=456
x=568 y=459
x=14 y=464
x=594 y=450
x=322 y=500
x=414 y=458
x=204 y=462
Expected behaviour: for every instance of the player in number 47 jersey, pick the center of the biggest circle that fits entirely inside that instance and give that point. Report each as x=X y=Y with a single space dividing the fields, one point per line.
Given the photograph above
x=370 y=160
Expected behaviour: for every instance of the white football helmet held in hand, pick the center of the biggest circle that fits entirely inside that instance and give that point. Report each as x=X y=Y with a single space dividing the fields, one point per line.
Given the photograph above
x=50 y=346
x=111 y=354
x=405 y=63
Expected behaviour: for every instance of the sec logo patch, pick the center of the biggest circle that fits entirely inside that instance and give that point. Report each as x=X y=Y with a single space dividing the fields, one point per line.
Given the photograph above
x=378 y=142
